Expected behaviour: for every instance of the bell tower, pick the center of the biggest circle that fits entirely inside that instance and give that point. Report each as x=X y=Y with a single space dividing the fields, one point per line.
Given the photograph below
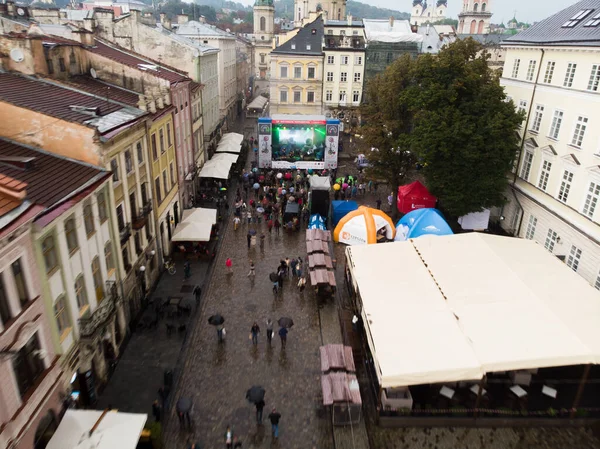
x=474 y=17
x=264 y=20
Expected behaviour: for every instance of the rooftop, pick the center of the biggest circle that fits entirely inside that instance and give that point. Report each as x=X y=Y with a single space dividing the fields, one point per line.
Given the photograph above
x=195 y=28
x=65 y=103
x=131 y=59
x=344 y=23
x=307 y=41
x=578 y=25
x=49 y=178
x=384 y=30
x=200 y=48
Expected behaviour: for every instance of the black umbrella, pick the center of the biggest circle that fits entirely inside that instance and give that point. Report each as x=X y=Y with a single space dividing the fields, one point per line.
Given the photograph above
x=216 y=320
x=285 y=322
x=273 y=277
x=252 y=232
x=184 y=405
x=255 y=394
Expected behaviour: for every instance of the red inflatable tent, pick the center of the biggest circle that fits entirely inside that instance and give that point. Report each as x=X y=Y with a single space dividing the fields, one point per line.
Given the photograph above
x=414 y=196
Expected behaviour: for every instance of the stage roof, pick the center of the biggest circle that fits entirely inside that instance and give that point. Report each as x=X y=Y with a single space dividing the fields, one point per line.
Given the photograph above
x=450 y=308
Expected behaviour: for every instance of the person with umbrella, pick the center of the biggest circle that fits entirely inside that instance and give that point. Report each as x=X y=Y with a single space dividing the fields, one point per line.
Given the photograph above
x=218 y=320
x=183 y=407
x=259 y=410
x=285 y=323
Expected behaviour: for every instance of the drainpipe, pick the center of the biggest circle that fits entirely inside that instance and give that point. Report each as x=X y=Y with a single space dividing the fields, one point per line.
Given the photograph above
x=522 y=146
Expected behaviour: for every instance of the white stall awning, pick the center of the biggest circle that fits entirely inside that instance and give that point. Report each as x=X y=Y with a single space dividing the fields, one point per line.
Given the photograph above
x=455 y=307
x=192 y=232
x=232 y=137
x=319 y=182
x=200 y=215
x=229 y=147
x=258 y=103
x=218 y=169
x=115 y=431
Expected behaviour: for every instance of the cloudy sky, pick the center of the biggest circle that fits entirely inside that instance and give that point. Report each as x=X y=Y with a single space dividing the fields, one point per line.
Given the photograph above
x=527 y=10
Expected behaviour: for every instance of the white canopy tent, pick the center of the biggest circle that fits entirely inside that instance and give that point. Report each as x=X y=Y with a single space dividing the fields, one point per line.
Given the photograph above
x=232 y=137
x=319 y=182
x=227 y=157
x=459 y=306
x=229 y=147
x=115 y=431
x=192 y=232
x=258 y=103
x=218 y=169
x=200 y=215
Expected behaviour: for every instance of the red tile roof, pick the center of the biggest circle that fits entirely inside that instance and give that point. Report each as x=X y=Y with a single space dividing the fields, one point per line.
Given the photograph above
x=102 y=89
x=52 y=178
x=7 y=204
x=50 y=99
x=131 y=59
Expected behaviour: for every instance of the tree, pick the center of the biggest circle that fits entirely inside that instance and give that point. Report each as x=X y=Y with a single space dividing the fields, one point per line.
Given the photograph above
x=388 y=119
x=465 y=132
x=249 y=17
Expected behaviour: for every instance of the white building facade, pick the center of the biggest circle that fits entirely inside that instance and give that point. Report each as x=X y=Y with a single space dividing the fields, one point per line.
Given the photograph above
x=552 y=72
x=423 y=12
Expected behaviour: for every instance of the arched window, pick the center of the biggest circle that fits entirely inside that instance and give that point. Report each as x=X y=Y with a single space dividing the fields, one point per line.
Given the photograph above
x=481 y=25
x=263 y=24
x=473 y=27
x=483 y=5
x=475 y=7
x=299 y=14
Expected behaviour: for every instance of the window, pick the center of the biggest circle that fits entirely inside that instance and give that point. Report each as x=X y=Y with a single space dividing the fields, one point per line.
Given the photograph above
x=358 y=60
x=140 y=152
x=169 y=142
x=570 y=74
x=515 y=68
x=172 y=173
x=110 y=265
x=161 y=140
x=591 y=200
x=165 y=182
x=531 y=224
x=551 y=239
x=526 y=167
x=594 y=78
x=88 y=219
x=579 y=132
x=284 y=71
x=389 y=58
x=120 y=217
x=308 y=46
x=356 y=96
x=283 y=96
x=310 y=97
x=49 y=251
x=61 y=64
x=114 y=167
x=573 y=21
x=328 y=95
x=556 y=122
x=311 y=73
x=531 y=70
x=329 y=76
x=61 y=314
x=153 y=145
x=158 y=193
x=544 y=175
x=50 y=66
x=565 y=186
x=342 y=96
x=330 y=59
x=293 y=46
x=549 y=72
x=71 y=235
x=522 y=106
x=72 y=59
x=97 y=276
x=125 y=254
x=17 y=270
x=80 y=293
x=593 y=22
x=357 y=77
x=5 y=314
x=28 y=365
x=343 y=77
x=537 y=118
x=297 y=96
x=344 y=60
x=263 y=24
x=574 y=258
x=297 y=72
x=128 y=162
x=262 y=58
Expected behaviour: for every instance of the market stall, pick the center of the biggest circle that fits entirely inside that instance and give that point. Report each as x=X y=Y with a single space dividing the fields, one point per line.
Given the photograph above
x=320 y=264
x=341 y=391
x=414 y=196
x=257 y=107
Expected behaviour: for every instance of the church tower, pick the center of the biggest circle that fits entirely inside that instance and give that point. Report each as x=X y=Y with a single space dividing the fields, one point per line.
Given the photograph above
x=475 y=17
x=331 y=10
x=264 y=30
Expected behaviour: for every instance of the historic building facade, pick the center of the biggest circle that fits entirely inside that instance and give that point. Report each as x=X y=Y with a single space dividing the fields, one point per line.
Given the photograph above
x=475 y=17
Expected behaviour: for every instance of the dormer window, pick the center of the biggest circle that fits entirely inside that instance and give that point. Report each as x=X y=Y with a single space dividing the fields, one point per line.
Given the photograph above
x=308 y=46
x=573 y=21
x=593 y=22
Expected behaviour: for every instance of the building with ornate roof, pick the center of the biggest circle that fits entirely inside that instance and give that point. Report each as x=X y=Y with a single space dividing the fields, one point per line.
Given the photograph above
x=475 y=17
x=423 y=12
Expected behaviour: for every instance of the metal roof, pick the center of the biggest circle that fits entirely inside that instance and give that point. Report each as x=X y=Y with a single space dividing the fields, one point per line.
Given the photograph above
x=551 y=31
x=344 y=23
x=195 y=28
x=307 y=41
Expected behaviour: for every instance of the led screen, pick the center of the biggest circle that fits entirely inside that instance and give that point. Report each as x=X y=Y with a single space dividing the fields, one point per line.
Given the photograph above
x=294 y=143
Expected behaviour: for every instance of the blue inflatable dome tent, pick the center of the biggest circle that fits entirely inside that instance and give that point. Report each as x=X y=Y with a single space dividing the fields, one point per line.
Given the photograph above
x=421 y=222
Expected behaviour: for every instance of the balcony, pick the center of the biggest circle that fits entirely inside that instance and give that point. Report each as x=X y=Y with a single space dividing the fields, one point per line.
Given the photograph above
x=140 y=220
x=482 y=14
x=125 y=233
x=100 y=316
x=344 y=42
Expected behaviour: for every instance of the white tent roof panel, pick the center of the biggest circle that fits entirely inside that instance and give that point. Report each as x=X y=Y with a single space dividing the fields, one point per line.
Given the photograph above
x=200 y=214
x=319 y=182
x=227 y=157
x=192 y=232
x=229 y=147
x=502 y=304
x=218 y=169
x=232 y=137
x=258 y=103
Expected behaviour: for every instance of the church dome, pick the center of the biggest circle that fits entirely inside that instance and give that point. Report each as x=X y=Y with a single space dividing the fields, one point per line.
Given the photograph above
x=263 y=3
x=442 y=2
x=417 y=2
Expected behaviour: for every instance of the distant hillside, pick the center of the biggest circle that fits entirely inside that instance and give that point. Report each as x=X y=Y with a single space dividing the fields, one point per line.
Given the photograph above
x=284 y=9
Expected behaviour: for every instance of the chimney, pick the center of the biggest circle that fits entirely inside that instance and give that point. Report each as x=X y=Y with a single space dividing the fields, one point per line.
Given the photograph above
x=349 y=20
x=151 y=104
x=166 y=23
x=391 y=21
x=182 y=19
x=11 y=9
x=427 y=30
x=158 y=99
x=202 y=19
x=142 y=103
x=166 y=95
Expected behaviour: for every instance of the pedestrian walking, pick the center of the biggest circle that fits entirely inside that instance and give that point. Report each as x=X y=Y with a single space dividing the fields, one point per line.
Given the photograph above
x=236 y=223
x=249 y=238
x=262 y=242
x=287 y=266
x=280 y=275
x=390 y=199
x=187 y=270
x=293 y=265
x=229 y=438
x=269 y=330
x=378 y=202
x=229 y=264
x=259 y=411
x=252 y=272
x=274 y=417
x=156 y=410
x=301 y=284
x=197 y=295
x=283 y=335
x=277 y=225
x=254 y=331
